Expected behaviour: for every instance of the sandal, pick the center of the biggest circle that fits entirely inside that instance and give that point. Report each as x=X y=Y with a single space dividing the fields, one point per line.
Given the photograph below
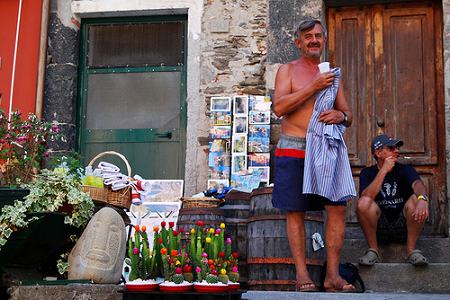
x=341 y=287
x=416 y=258
x=306 y=287
x=370 y=258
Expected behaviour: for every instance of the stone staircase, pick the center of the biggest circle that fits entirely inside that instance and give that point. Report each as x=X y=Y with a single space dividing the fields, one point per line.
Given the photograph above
x=395 y=275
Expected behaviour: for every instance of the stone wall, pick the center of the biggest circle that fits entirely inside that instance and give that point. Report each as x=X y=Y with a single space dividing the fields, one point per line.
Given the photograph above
x=233 y=55
x=60 y=91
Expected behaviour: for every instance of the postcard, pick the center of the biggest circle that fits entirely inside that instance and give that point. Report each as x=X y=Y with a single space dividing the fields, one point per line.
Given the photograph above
x=259 y=103
x=220 y=104
x=218 y=183
x=238 y=163
x=259 y=117
x=219 y=145
x=220 y=132
x=246 y=183
x=259 y=159
x=218 y=159
x=220 y=118
x=239 y=143
x=260 y=131
x=240 y=124
x=162 y=190
x=257 y=144
x=219 y=173
x=240 y=105
x=265 y=172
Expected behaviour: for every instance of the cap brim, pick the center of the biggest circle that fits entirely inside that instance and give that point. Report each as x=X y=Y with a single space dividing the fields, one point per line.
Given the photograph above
x=397 y=143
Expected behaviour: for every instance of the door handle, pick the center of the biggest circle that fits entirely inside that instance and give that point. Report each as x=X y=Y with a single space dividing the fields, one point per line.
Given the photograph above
x=167 y=135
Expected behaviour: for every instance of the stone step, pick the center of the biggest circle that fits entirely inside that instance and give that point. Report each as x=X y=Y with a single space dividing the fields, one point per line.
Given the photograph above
x=405 y=278
x=435 y=249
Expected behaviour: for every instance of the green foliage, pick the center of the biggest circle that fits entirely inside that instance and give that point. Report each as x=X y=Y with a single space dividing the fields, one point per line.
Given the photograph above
x=178 y=278
x=23 y=146
x=210 y=278
x=48 y=193
x=233 y=276
x=223 y=278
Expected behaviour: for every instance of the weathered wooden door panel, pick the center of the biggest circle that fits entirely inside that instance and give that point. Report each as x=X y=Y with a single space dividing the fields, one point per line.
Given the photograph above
x=392 y=74
x=351 y=44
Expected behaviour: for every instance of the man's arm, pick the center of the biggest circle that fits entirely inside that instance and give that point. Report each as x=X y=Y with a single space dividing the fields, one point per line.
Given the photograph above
x=286 y=101
x=340 y=111
x=374 y=187
x=422 y=207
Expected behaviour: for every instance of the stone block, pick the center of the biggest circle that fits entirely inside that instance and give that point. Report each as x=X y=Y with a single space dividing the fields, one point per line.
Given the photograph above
x=99 y=253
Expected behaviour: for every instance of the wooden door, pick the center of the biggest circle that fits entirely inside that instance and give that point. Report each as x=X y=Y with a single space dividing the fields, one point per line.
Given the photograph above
x=391 y=58
x=20 y=25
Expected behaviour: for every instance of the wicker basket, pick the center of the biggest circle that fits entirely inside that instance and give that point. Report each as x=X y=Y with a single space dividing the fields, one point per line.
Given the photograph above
x=120 y=198
x=200 y=202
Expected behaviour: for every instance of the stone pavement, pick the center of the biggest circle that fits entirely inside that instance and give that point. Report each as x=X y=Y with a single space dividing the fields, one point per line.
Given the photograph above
x=272 y=295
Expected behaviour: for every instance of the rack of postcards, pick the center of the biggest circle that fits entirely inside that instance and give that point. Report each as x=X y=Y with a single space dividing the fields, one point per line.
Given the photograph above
x=239 y=141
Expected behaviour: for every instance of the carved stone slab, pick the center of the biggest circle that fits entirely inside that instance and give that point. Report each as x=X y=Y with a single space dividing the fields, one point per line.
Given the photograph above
x=99 y=253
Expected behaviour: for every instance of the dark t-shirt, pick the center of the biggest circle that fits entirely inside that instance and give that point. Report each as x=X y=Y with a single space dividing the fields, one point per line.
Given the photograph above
x=395 y=190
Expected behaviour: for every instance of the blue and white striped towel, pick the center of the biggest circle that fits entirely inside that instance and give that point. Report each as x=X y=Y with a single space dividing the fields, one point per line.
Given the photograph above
x=327 y=169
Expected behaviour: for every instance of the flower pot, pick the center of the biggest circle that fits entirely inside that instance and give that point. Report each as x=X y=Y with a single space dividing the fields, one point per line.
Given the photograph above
x=8 y=195
x=39 y=245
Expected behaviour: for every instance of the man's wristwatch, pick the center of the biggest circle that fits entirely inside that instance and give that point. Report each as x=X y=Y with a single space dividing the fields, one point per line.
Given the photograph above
x=345 y=118
x=423 y=197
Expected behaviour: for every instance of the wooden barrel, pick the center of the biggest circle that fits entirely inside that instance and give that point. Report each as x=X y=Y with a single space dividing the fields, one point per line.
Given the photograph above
x=211 y=217
x=236 y=210
x=269 y=259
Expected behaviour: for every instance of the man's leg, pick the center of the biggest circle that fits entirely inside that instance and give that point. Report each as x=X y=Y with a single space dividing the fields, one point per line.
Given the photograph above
x=368 y=214
x=414 y=227
x=295 y=227
x=335 y=230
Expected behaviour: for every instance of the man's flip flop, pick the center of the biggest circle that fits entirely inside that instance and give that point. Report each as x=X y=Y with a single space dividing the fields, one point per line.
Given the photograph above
x=342 y=287
x=306 y=287
x=370 y=258
x=416 y=258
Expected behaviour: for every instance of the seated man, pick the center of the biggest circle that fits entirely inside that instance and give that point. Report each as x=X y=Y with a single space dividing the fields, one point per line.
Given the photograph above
x=393 y=203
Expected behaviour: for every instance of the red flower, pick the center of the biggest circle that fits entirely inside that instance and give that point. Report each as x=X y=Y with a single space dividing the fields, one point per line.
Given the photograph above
x=160 y=240
x=235 y=254
x=214 y=272
x=136 y=227
x=155 y=228
x=211 y=267
x=163 y=251
x=163 y=224
x=178 y=271
x=200 y=223
x=144 y=228
x=171 y=224
x=175 y=233
x=221 y=254
x=174 y=253
x=181 y=229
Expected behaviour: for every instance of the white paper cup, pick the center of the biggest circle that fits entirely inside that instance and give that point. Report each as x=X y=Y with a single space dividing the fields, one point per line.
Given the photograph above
x=324 y=67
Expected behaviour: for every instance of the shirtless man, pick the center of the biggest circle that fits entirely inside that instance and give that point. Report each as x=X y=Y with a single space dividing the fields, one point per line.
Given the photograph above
x=296 y=86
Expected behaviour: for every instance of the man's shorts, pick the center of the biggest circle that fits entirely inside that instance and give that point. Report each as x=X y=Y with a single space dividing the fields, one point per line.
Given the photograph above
x=391 y=231
x=288 y=181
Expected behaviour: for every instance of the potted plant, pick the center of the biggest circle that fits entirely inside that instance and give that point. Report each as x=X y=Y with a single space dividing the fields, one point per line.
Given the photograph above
x=210 y=255
x=52 y=191
x=142 y=262
x=23 y=146
x=176 y=263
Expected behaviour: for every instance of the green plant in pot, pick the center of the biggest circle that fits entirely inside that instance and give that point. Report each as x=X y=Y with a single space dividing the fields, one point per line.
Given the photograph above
x=23 y=146
x=57 y=190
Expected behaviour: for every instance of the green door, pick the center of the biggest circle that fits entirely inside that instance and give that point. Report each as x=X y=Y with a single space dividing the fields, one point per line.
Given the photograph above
x=132 y=96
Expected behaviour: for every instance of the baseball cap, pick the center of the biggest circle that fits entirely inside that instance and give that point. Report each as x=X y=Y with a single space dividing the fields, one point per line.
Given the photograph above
x=384 y=140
